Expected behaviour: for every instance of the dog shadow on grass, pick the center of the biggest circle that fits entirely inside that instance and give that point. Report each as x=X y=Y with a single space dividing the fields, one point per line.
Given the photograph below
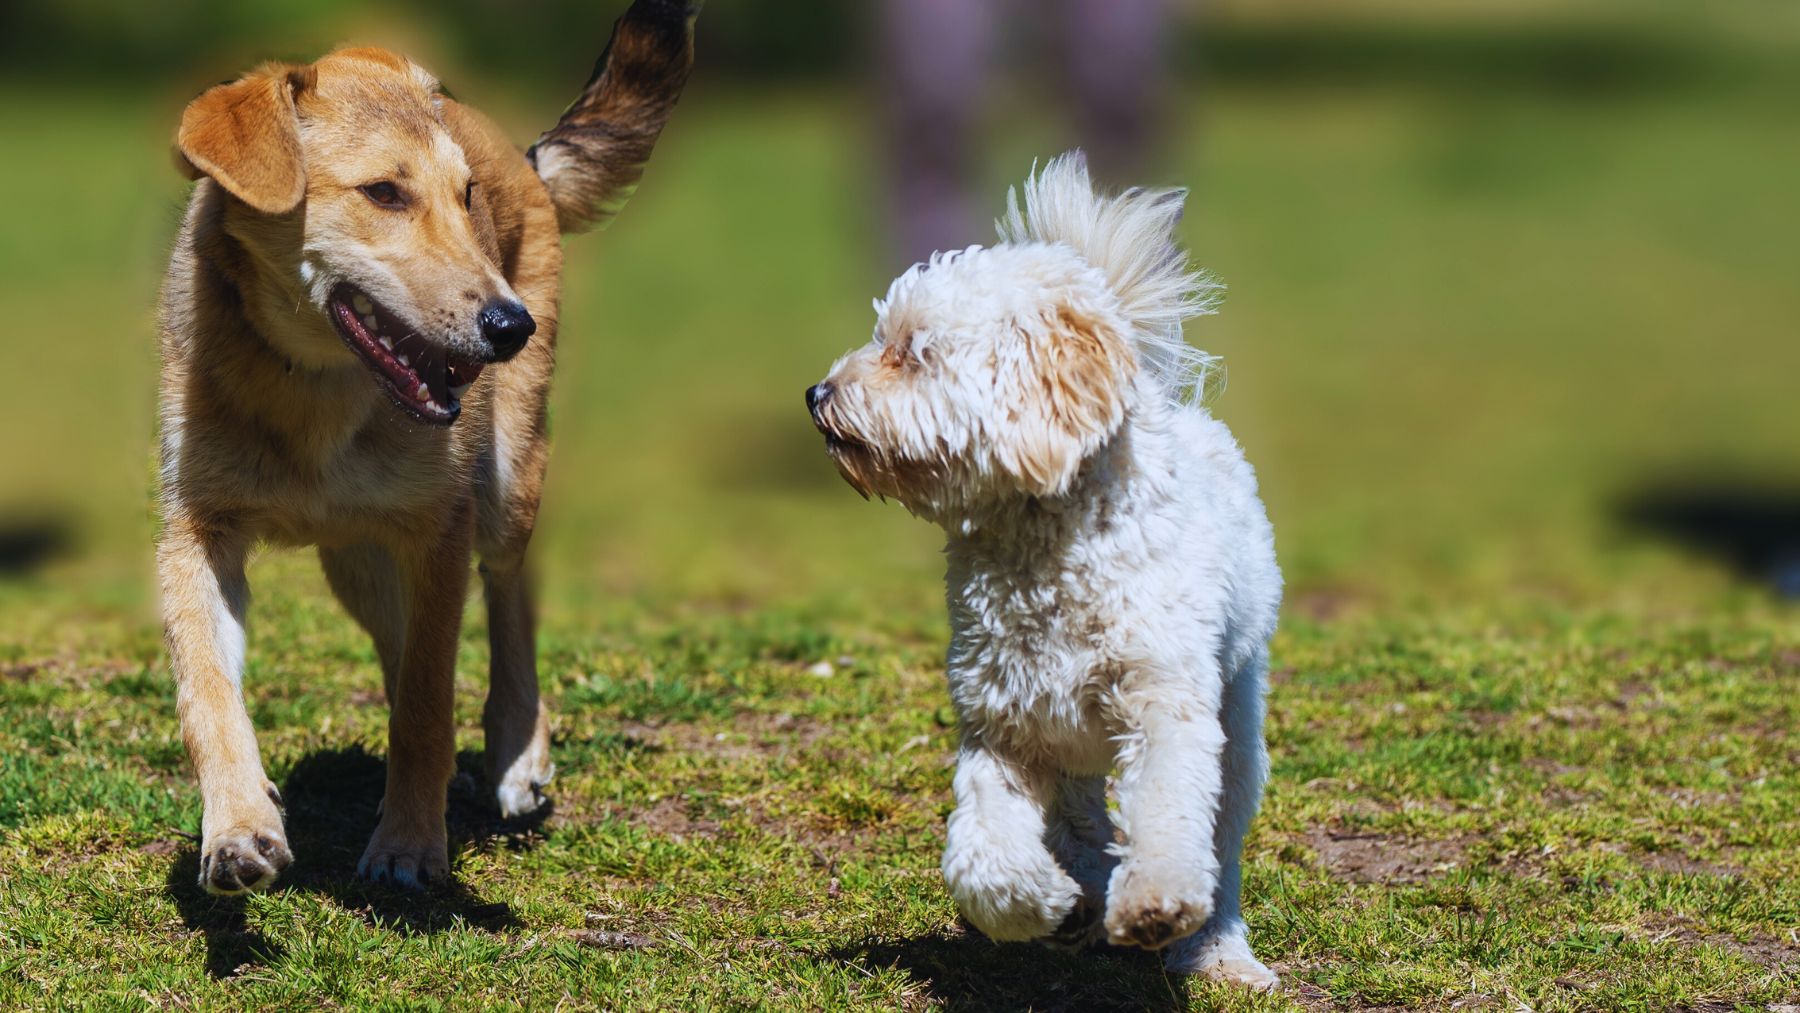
x=963 y=970
x=331 y=798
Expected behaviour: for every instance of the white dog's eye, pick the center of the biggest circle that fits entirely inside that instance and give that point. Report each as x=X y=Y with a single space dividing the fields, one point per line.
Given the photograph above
x=899 y=352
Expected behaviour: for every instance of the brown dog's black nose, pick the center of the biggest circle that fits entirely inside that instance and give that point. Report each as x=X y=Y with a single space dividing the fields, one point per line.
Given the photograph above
x=816 y=395
x=506 y=326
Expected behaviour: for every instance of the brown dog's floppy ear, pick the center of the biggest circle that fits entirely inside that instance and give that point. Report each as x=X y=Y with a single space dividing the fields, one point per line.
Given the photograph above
x=1084 y=364
x=246 y=136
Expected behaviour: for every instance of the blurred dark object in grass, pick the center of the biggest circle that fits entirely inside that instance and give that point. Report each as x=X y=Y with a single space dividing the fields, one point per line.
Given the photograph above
x=1753 y=528
x=30 y=539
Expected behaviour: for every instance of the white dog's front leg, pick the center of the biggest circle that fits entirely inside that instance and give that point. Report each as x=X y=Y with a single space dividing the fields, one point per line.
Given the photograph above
x=1221 y=950
x=996 y=863
x=1169 y=786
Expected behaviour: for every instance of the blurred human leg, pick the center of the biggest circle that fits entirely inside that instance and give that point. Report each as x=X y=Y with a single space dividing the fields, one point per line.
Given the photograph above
x=935 y=56
x=1117 y=77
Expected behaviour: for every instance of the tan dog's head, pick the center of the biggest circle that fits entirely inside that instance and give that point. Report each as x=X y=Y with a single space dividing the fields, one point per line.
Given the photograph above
x=358 y=206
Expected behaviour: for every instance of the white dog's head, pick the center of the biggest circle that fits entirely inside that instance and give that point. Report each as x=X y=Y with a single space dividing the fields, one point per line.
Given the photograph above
x=996 y=372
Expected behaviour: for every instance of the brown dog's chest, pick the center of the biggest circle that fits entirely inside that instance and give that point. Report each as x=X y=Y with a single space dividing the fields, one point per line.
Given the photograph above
x=356 y=470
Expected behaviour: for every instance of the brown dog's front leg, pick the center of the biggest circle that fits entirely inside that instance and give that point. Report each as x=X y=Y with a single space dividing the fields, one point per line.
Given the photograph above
x=410 y=845
x=201 y=569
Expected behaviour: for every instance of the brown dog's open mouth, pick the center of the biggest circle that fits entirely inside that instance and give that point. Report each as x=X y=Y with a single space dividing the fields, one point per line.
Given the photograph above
x=425 y=379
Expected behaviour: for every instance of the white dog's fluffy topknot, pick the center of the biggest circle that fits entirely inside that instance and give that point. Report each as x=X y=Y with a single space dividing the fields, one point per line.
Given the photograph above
x=1130 y=237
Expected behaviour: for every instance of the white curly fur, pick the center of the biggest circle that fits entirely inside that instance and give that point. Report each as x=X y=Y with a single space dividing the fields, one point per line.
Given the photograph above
x=1112 y=581
x=1131 y=237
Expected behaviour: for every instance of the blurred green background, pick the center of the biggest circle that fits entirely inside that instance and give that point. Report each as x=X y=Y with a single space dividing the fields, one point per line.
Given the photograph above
x=1510 y=337
x=1494 y=272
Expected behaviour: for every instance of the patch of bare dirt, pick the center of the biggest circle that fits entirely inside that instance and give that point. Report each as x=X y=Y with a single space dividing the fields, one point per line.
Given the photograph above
x=670 y=817
x=748 y=736
x=1304 y=994
x=1763 y=951
x=1313 y=999
x=68 y=669
x=1553 y=768
x=1359 y=857
x=1567 y=717
x=1325 y=603
x=19 y=672
x=1632 y=691
x=602 y=939
x=1683 y=864
x=1693 y=798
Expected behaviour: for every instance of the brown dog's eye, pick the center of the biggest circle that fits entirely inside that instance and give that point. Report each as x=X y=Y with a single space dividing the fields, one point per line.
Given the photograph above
x=383 y=194
x=469 y=196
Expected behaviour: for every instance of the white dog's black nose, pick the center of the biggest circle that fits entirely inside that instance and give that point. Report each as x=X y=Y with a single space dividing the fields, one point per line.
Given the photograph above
x=816 y=395
x=506 y=325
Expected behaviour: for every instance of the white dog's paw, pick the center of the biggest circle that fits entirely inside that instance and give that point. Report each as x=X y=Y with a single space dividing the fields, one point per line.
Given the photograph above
x=1010 y=905
x=1223 y=957
x=412 y=860
x=1146 y=906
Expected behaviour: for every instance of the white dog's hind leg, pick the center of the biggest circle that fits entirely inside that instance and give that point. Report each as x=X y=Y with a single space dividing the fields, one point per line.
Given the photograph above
x=1221 y=950
x=997 y=863
x=1080 y=836
x=1169 y=786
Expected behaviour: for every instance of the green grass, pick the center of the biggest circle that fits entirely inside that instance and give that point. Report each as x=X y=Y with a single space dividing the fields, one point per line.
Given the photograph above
x=1523 y=754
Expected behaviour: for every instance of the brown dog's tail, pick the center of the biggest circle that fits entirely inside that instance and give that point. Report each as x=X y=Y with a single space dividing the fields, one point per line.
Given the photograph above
x=592 y=159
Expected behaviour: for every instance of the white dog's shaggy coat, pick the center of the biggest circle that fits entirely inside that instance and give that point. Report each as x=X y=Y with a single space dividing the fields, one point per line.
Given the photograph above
x=1112 y=580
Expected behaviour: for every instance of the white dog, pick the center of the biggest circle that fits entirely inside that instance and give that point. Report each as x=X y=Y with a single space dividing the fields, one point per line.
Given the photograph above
x=1112 y=576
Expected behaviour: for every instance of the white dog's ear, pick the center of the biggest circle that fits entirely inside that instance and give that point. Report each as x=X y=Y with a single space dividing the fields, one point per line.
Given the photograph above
x=1081 y=365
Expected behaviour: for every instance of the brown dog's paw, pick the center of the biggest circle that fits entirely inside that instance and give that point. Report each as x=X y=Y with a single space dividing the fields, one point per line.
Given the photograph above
x=243 y=860
x=409 y=863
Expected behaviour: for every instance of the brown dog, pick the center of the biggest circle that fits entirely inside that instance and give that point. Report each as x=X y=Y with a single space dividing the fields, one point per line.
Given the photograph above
x=359 y=258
